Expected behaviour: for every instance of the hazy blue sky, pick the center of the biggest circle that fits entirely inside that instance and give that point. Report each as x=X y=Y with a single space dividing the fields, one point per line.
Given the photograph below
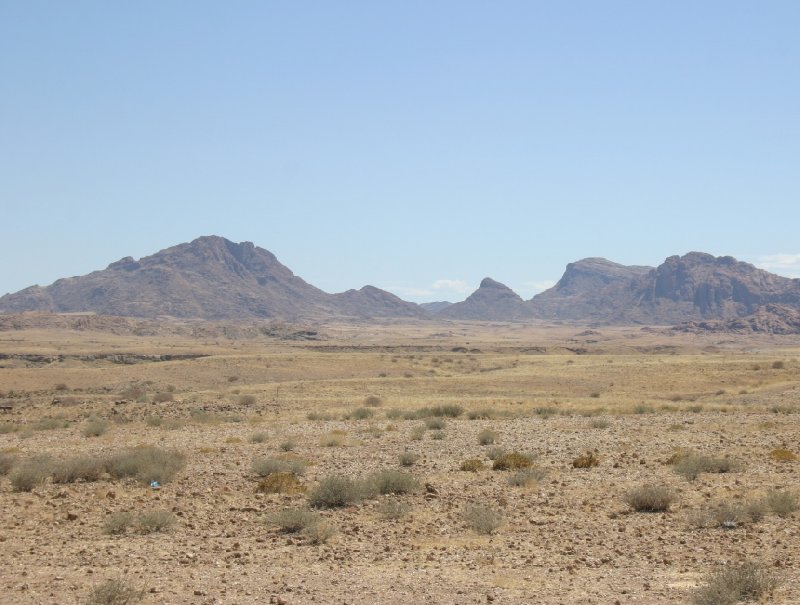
x=415 y=146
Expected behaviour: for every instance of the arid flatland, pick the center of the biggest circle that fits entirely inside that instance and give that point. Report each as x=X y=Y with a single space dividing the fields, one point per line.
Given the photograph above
x=416 y=398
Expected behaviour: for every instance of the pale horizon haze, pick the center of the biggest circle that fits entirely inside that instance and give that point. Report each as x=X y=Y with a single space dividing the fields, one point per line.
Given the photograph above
x=414 y=146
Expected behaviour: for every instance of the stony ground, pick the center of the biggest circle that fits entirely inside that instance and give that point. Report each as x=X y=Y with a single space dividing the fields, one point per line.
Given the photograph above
x=568 y=538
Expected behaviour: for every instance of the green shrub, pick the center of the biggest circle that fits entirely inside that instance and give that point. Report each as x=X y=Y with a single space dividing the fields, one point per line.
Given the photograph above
x=650 y=498
x=482 y=519
x=146 y=464
x=739 y=582
x=487 y=437
x=335 y=491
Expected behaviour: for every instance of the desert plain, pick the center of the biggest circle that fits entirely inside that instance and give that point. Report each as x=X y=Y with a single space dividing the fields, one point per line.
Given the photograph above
x=421 y=412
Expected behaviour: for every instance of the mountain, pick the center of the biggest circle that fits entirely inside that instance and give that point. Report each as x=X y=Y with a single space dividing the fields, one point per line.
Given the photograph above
x=208 y=278
x=590 y=288
x=435 y=307
x=693 y=287
x=492 y=301
x=766 y=319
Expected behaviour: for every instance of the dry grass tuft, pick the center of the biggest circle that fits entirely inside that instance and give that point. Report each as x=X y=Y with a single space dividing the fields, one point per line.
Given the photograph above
x=586 y=460
x=744 y=582
x=650 y=498
x=782 y=455
x=280 y=483
x=115 y=592
x=482 y=519
x=512 y=461
x=472 y=465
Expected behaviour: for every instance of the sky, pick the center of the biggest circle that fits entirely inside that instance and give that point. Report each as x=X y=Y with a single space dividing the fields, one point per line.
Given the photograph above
x=417 y=146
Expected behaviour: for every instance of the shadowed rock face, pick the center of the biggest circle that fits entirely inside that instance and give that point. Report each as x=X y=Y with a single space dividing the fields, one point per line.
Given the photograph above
x=766 y=319
x=208 y=278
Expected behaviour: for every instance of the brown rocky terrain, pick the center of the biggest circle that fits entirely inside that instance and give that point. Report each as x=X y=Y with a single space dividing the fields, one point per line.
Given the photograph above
x=767 y=319
x=416 y=399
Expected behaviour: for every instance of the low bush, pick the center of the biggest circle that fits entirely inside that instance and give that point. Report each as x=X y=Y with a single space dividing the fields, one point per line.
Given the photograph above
x=116 y=524
x=408 y=458
x=258 y=438
x=472 y=465
x=335 y=491
x=264 y=467
x=115 y=592
x=146 y=464
x=280 y=483
x=84 y=468
x=690 y=466
x=438 y=435
x=373 y=401
x=650 y=498
x=782 y=503
x=391 y=482
x=512 y=461
x=393 y=510
x=588 y=459
x=527 y=477
x=333 y=439
x=247 y=400
x=153 y=521
x=418 y=432
x=94 y=427
x=482 y=519
x=360 y=414
x=487 y=437
x=747 y=581
x=163 y=397
x=7 y=462
x=436 y=424
x=493 y=453
x=29 y=474
x=288 y=445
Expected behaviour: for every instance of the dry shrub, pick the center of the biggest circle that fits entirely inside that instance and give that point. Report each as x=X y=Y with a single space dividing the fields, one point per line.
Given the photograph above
x=782 y=504
x=437 y=435
x=650 y=498
x=472 y=465
x=29 y=474
x=163 y=397
x=512 y=461
x=690 y=466
x=418 y=432
x=263 y=467
x=729 y=515
x=116 y=524
x=747 y=581
x=318 y=533
x=288 y=445
x=280 y=483
x=134 y=393
x=393 y=510
x=7 y=462
x=390 y=481
x=115 y=592
x=782 y=455
x=293 y=520
x=588 y=459
x=408 y=459
x=527 y=477
x=482 y=519
x=487 y=437
x=94 y=427
x=335 y=491
x=247 y=400
x=153 y=521
x=599 y=423
x=373 y=401
x=333 y=439
x=360 y=414
x=258 y=438
x=146 y=464
x=84 y=468
x=436 y=424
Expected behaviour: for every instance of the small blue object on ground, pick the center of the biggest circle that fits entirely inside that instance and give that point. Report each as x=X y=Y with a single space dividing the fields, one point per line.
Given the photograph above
x=155 y=485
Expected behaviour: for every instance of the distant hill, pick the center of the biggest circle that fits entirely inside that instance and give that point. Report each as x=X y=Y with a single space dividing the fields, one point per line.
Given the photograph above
x=208 y=278
x=492 y=301
x=435 y=307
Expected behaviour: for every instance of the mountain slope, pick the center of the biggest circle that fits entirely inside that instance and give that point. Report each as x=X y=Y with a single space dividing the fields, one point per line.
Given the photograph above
x=208 y=278
x=492 y=301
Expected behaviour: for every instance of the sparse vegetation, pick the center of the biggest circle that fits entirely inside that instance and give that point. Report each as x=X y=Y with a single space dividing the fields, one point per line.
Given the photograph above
x=153 y=521
x=393 y=510
x=146 y=464
x=392 y=482
x=280 y=483
x=258 y=438
x=7 y=462
x=435 y=424
x=360 y=414
x=115 y=592
x=782 y=503
x=487 y=437
x=373 y=401
x=29 y=474
x=746 y=581
x=527 y=477
x=84 y=468
x=95 y=427
x=690 y=466
x=588 y=459
x=247 y=400
x=333 y=439
x=650 y=498
x=408 y=458
x=335 y=491
x=263 y=467
x=782 y=455
x=472 y=465
x=117 y=524
x=482 y=519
